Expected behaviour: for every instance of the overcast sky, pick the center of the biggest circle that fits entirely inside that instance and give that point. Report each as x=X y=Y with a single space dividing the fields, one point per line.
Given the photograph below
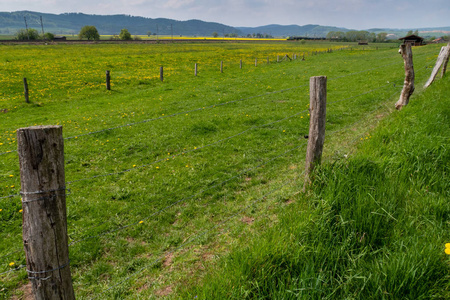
x=352 y=14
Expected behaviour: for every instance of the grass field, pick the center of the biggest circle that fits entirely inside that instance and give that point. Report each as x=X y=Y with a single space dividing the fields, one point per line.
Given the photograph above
x=167 y=177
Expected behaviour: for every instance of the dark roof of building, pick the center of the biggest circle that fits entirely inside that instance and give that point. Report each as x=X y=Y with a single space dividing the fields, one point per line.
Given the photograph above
x=412 y=37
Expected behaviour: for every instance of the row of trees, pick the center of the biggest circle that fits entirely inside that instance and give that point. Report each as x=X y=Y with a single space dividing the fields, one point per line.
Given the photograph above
x=87 y=32
x=354 y=36
x=32 y=35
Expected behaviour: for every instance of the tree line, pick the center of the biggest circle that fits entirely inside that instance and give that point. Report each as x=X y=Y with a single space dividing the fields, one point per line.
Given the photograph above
x=354 y=36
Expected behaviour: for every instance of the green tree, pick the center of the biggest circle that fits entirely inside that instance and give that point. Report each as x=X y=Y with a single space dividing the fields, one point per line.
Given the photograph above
x=381 y=37
x=31 y=34
x=149 y=33
x=49 y=36
x=215 y=34
x=125 y=35
x=89 y=32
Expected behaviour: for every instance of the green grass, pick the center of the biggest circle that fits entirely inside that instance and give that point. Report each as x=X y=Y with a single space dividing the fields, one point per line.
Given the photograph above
x=233 y=138
x=373 y=225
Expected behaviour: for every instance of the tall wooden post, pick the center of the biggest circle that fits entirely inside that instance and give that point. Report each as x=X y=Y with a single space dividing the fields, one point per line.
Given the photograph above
x=316 y=137
x=41 y=158
x=25 y=90
x=446 y=58
x=161 y=73
x=108 y=80
x=408 y=86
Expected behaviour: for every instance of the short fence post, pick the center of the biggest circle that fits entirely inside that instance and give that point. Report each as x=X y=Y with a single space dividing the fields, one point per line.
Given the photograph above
x=195 y=72
x=161 y=73
x=108 y=80
x=408 y=86
x=316 y=137
x=25 y=90
x=268 y=61
x=278 y=58
x=256 y=62
x=221 y=66
x=41 y=158
x=240 y=64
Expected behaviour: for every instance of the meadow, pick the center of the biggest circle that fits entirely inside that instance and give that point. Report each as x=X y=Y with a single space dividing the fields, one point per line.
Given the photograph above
x=166 y=178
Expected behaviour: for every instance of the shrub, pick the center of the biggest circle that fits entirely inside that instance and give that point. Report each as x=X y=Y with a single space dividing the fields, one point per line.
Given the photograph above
x=31 y=34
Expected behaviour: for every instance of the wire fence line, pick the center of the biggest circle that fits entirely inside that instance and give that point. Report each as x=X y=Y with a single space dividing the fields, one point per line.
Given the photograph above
x=216 y=105
x=208 y=145
x=196 y=237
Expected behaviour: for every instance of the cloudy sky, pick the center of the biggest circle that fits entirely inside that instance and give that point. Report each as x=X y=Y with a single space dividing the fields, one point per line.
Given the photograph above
x=354 y=14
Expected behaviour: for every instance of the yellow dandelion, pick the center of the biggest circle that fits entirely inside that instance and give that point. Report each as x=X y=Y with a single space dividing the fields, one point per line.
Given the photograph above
x=11 y=264
x=140 y=222
x=21 y=210
x=11 y=175
x=447 y=248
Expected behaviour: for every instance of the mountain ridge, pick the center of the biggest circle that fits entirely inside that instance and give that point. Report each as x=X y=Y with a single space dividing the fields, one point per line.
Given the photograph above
x=71 y=23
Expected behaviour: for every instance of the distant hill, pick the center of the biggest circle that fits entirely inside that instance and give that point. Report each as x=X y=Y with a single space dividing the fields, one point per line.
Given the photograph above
x=71 y=23
x=291 y=30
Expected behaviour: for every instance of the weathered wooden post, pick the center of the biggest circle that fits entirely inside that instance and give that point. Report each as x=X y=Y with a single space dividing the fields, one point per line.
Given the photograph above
x=303 y=58
x=408 y=86
x=268 y=61
x=256 y=62
x=25 y=90
x=195 y=72
x=316 y=136
x=446 y=58
x=221 y=66
x=161 y=73
x=442 y=60
x=108 y=80
x=240 y=64
x=41 y=158
x=278 y=58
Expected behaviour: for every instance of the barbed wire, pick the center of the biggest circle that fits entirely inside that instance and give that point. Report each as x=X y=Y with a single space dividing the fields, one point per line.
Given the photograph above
x=196 y=237
x=187 y=151
x=13 y=270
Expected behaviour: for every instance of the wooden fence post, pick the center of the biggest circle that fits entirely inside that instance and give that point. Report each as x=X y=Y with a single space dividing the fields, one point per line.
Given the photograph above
x=25 y=90
x=240 y=64
x=161 y=73
x=278 y=58
x=108 y=80
x=195 y=72
x=446 y=58
x=408 y=86
x=268 y=61
x=221 y=66
x=316 y=137
x=256 y=62
x=443 y=54
x=41 y=158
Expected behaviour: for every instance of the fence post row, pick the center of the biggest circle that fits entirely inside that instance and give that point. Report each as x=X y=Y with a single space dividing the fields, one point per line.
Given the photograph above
x=41 y=158
x=408 y=87
x=316 y=137
x=25 y=90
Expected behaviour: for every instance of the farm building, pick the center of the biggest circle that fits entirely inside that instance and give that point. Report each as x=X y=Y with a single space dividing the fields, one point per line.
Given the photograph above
x=414 y=40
